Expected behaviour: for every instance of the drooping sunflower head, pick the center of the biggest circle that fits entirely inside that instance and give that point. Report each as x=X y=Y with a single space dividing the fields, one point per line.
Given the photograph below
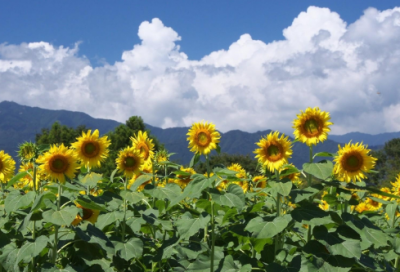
x=7 y=167
x=85 y=214
x=312 y=126
x=144 y=144
x=58 y=162
x=161 y=156
x=129 y=161
x=28 y=151
x=203 y=137
x=274 y=151
x=90 y=149
x=352 y=162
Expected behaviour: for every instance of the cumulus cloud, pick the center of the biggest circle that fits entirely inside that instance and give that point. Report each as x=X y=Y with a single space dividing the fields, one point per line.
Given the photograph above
x=350 y=70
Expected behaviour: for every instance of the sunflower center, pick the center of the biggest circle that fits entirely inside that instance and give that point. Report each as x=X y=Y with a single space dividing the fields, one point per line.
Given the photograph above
x=87 y=213
x=144 y=150
x=90 y=149
x=203 y=138
x=59 y=164
x=1 y=166
x=274 y=152
x=311 y=127
x=353 y=162
x=130 y=162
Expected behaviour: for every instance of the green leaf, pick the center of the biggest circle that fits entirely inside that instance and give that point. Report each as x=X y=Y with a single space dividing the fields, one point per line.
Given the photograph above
x=308 y=212
x=348 y=248
x=229 y=265
x=266 y=229
x=113 y=175
x=16 y=178
x=139 y=181
x=234 y=197
x=62 y=217
x=375 y=236
x=282 y=188
x=15 y=201
x=31 y=249
x=391 y=211
x=323 y=154
x=106 y=219
x=195 y=159
x=130 y=249
x=298 y=195
x=195 y=188
x=132 y=197
x=39 y=202
x=171 y=191
x=91 y=179
x=188 y=226
x=321 y=170
x=218 y=149
x=89 y=204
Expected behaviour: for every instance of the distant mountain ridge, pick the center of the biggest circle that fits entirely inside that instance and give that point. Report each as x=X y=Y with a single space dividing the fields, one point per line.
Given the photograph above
x=21 y=123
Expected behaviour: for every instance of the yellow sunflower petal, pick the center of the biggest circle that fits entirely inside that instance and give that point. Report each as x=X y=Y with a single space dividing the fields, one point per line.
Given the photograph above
x=144 y=144
x=7 y=167
x=129 y=161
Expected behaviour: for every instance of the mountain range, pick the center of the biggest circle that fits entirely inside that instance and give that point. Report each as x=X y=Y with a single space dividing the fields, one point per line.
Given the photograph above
x=20 y=123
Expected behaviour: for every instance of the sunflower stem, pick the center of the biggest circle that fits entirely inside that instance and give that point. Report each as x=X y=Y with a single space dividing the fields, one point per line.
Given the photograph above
x=278 y=213
x=56 y=227
x=34 y=222
x=212 y=220
x=123 y=221
x=309 y=178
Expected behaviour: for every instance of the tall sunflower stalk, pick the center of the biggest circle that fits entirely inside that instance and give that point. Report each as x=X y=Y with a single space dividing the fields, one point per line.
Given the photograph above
x=203 y=138
x=58 y=163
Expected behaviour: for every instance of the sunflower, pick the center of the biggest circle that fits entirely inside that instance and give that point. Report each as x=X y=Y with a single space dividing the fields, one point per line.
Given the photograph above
x=385 y=190
x=87 y=215
x=312 y=126
x=274 y=151
x=260 y=182
x=144 y=144
x=90 y=149
x=58 y=162
x=28 y=151
x=324 y=205
x=241 y=174
x=129 y=161
x=203 y=137
x=27 y=180
x=147 y=168
x=352 y=162
x=7 y=167
x=183 y=180
x=396 y=186
x=368 y=205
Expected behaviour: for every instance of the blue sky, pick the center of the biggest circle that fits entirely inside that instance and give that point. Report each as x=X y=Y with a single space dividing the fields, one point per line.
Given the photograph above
x=106 y=28
x=249 y=65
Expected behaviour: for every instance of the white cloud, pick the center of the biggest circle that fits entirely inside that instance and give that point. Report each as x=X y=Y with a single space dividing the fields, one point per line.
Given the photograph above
x=349 y=70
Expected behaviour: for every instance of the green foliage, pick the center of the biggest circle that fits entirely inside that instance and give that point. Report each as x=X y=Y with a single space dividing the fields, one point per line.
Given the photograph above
x=388 y=164
x=58 y=134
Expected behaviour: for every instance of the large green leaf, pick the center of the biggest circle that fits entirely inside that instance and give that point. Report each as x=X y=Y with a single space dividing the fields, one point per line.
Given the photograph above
x=89 y=204
x=234 y=197
x=262 y=229
x=309 y=212
x=130 y=249
x=349 y=249
x=90 y=179
x=132 y=197
x=375 y=236
x=39 y=202
x=106 y=219
x=194 y=189
x=15 y=200
x=62 y=217
x=229 y=265
x=31 y=249
x=280 y=187
x=188 y=226
x=298 y=195
x=171 y=191
x=322 y=170
x=391 y=212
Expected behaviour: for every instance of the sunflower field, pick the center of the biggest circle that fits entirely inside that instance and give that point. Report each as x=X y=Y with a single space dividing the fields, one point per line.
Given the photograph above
x=58 y=214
